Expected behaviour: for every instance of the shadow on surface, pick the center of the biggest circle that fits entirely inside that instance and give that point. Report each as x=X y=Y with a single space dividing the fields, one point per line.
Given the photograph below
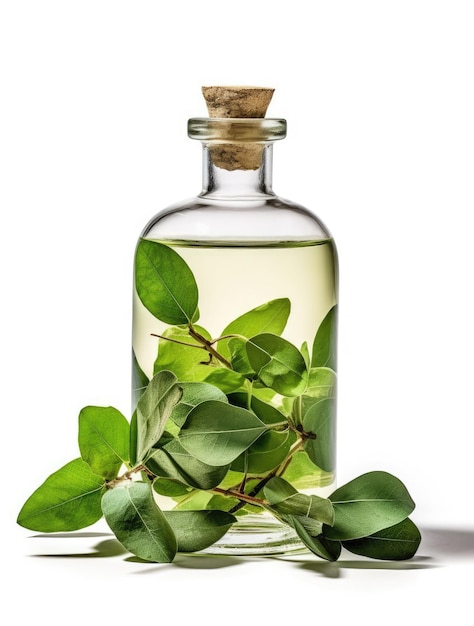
x=447 y=543
x=191 y=561
x=107 y=548
x=439 y=546
x=71 y=535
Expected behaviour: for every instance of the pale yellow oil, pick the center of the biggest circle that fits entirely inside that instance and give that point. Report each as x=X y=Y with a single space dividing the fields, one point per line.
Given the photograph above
x=233 y=279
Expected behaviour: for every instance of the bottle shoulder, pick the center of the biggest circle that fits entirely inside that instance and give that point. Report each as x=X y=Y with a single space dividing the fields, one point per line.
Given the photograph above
x=265 y=218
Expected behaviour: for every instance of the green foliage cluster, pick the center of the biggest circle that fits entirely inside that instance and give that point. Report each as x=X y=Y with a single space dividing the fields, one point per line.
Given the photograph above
x=226 y=426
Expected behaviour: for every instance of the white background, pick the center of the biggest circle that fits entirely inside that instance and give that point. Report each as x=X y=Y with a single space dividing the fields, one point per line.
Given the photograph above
x=379 y=98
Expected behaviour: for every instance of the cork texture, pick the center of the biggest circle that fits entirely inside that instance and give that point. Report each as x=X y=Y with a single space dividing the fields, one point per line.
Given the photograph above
x=237 y=102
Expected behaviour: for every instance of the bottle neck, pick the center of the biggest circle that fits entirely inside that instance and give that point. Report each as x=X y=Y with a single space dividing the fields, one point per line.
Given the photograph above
x=223 y=182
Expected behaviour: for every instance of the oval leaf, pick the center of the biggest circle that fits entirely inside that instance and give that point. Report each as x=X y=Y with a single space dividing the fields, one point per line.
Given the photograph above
x=193 y=394
x=278 y=363
x=187 y=362
x=104 y=439
x=137 y=522
x=284 y=499
x=197 y=530
x=265 y=454
x=69 y=499
x=164 y=283
x=154 y=409
x=396 y=543
x=368 y=504
x=216 y=433
x=325 y=343
x=319 y=545
x=270 y=317
x=174 y=461
x=320 y=420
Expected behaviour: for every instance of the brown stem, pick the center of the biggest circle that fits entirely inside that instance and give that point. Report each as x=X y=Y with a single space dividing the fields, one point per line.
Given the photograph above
x=207 y=345
x=246 y=498
x=128 y=476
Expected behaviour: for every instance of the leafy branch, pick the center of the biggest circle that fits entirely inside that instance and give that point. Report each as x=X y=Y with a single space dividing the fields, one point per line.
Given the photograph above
x=248 y=431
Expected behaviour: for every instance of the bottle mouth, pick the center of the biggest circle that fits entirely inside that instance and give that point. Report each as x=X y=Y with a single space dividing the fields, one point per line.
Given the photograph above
x=236 y=129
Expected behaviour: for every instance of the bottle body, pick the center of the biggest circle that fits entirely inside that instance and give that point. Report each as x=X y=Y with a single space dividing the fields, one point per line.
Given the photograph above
x=250 y=282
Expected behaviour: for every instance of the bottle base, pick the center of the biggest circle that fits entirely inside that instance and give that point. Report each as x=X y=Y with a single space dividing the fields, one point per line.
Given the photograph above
x=257 y=535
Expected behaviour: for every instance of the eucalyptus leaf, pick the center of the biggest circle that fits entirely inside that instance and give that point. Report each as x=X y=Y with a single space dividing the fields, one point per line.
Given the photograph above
x=164 y=283
x=302 y=473
x=286 y=500
x=193 y=394
x=133 y=438
x=104 y=439
x=68 y=500
x=225 y=379
x=137 y=522
x=216 y=433
x=270 y=317
x=320 y=420
x=239 y=358
x=325 y=343
x=267 y=453
x=396 y=543
x=170 y=488
x=322 y=383
x=319 y=545
x=195 y=501
x=189 y=363
x=278 y=363
x=174 y=461
x=265 y=411
x=368 y=504
x=139 y=379
x=197 y=530
x=154 y=409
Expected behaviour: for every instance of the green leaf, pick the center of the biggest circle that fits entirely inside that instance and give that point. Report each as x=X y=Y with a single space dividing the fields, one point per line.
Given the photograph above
x=302 y=473
x=279 y=364
x=197 y=530
x=265 y=454
x=284 y=499
x=239 y=358
x=325 y=343
x=225 y=379
x=154 y=409
x=368 y=504
x=170 y=488
x=216 y=433
x=265 y=411
x=104 y=439
x=397 y=543
x=164 y=283
x=133 y=438
x=320 y=420
x=319 y=545
x=174 y=461
x=139 y=379
x=193 y=394
x=270 y=317
x=188 y=363
x=137 y=522
x=69 y=499
x=194 y=501
x=321 y=384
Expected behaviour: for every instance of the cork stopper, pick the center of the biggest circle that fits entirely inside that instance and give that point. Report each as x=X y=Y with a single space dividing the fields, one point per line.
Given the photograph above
x=237 y=102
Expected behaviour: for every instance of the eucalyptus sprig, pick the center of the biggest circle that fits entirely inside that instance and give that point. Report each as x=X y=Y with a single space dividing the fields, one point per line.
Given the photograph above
x=226 y=426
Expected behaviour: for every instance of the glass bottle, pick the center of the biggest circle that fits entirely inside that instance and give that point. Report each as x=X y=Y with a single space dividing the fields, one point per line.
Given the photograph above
x=249 y=251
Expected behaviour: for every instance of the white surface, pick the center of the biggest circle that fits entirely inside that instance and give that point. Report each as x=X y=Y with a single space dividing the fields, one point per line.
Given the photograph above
x=382 y=148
